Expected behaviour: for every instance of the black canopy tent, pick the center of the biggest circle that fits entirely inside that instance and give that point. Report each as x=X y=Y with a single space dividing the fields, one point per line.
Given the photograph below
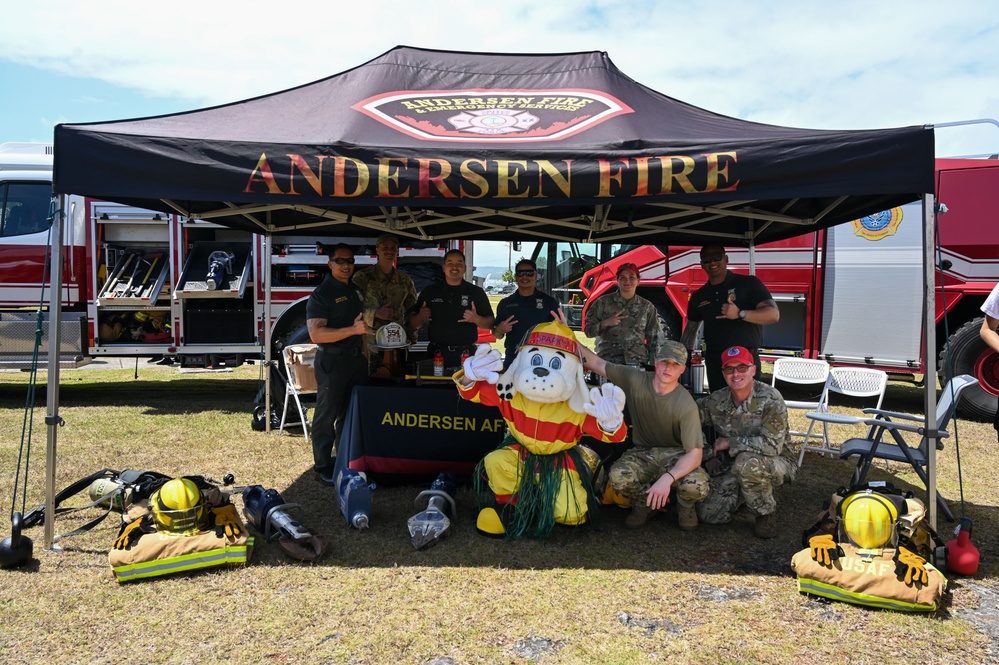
x=440 y=145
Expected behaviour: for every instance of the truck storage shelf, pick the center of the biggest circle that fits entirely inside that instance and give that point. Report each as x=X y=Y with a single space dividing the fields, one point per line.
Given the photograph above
x=137 y=279
x=194 y=279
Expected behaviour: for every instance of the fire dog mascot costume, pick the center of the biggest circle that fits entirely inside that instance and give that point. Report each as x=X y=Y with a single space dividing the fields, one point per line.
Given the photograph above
x=540 y=476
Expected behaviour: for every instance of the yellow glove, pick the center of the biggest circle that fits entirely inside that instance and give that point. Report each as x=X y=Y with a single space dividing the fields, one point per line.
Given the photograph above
x=911 y=565
x=227 y=521
x=825 y=550
x=129 y=533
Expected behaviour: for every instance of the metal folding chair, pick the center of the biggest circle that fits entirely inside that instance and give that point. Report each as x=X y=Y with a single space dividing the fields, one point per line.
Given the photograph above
x=873 y=447
x=299 y=367
x=803 y=371
x=856 y=382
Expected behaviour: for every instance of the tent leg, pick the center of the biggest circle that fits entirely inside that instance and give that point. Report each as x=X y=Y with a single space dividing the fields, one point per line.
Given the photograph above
x=929 y=351
x=52 y=420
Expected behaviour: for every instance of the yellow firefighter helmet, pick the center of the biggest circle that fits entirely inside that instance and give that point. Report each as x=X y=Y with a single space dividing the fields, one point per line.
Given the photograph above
x=869 y=519
x=178 y=507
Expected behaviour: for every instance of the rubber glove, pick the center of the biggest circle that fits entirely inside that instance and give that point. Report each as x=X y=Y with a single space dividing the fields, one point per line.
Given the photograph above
x=485 y=365
x=606 y=405
x=825 y=550
x=227 y=521
x=911 y=565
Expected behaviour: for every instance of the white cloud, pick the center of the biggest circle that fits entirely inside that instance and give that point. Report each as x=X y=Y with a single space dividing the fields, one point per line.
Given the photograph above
x=815 y=64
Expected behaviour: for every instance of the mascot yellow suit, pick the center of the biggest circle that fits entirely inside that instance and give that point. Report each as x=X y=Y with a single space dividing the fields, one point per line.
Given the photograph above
x=540 y=476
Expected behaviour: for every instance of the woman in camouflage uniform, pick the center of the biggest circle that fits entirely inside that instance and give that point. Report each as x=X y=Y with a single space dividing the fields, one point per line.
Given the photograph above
x=625 y=324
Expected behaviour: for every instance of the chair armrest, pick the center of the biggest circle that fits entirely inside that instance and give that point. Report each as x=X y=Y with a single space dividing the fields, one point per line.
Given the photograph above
x=894 y=415
x=836 y=418
x=791 y=404
x=904 y=427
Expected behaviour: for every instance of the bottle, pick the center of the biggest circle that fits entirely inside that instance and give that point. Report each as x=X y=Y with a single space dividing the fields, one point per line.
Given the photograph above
x=439 y=364
x=962 y=555
x=464 y=357
x=697 y=372
x=354 y=494
x=110 y=488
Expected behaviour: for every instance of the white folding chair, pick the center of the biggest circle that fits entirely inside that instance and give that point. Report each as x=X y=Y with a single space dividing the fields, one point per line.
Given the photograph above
x=300 y=370
x=804 y=372
x=856 y=382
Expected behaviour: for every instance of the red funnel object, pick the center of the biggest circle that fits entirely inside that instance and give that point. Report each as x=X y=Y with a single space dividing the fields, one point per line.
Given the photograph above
x=962 y=556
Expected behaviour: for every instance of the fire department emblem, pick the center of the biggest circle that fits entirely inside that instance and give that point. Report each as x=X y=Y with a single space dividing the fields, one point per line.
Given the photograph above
x=879 y=225
x=494 y=121
x=492 y=115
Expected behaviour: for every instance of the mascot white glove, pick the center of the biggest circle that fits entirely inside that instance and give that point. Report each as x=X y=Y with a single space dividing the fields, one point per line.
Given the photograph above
x=485 y=365
x=607 y=406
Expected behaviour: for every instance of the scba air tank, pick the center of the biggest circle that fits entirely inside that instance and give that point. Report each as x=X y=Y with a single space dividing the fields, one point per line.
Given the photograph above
x=354 y=495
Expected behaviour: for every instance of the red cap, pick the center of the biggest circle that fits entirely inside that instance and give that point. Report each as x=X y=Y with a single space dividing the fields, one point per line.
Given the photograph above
x=737 y=355
x=627 y=266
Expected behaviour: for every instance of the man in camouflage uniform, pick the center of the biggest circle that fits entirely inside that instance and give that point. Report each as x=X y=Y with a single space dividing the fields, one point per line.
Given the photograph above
x=625 y=324
x=389 y=296
x=666 y=434
x=750 y=420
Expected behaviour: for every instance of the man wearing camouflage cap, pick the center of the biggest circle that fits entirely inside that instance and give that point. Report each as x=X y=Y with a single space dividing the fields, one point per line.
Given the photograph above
x=666 y=432
x=750 y=420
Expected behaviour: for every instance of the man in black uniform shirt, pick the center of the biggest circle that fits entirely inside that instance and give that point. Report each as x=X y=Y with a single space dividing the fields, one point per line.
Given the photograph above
x=734 y=309
x=456 y=310
x=523 y=309
x=334 y=315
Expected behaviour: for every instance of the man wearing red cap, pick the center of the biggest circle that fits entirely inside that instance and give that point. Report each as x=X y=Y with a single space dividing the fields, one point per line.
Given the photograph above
x=734 y=308
x=750 y=422
x=625 y=324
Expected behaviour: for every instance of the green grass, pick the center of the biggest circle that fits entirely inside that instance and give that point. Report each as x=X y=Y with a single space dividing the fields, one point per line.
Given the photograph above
x=598 y=594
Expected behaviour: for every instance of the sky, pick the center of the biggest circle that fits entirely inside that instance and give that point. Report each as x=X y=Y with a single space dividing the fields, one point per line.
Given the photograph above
x=798 y=63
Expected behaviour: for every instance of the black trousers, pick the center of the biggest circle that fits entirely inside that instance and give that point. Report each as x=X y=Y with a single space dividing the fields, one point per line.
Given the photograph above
x=336 y=376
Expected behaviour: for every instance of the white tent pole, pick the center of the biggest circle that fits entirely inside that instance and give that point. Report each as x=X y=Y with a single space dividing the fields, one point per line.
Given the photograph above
x=52 y=419
x=930 y=345
x=266 y=244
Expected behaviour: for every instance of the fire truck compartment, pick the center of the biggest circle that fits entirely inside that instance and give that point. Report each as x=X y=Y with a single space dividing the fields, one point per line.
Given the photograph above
x=137 y=278
x=219 y=326
x=787 y=336
x=193 y=282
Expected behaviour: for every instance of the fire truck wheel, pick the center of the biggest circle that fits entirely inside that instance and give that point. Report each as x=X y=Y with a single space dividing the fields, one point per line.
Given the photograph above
x=972 y=356
x=668 y=319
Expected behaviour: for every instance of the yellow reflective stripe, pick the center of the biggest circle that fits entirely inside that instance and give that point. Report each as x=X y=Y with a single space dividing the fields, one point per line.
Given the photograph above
x=232 y=555
x=834 y=592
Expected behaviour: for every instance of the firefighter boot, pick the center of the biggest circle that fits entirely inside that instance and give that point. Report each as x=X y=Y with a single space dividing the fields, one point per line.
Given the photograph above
x=766 y=526
x=686 y=517
x=638 y=516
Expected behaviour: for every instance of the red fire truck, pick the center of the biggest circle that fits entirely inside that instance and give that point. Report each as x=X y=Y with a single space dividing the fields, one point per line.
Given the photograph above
x=852 y=294
x=141 y=283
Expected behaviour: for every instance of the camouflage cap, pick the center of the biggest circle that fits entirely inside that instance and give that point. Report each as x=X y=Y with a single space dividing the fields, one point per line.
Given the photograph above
x=671 y=350
x=387 y=237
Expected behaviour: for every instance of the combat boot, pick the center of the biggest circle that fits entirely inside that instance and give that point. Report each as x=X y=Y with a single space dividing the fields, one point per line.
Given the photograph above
x=686 y=517
x=638 y=516
x=766 y=526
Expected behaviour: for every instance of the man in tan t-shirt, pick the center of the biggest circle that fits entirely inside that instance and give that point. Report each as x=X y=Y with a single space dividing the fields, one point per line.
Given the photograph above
x=666 y=432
